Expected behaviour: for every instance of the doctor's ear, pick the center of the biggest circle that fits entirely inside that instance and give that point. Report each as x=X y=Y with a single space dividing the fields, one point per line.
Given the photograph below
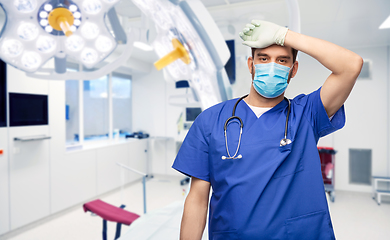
x=295 y=69
x=250 y=64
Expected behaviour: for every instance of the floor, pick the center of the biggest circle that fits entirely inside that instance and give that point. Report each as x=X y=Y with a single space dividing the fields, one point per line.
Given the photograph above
x=355 y=216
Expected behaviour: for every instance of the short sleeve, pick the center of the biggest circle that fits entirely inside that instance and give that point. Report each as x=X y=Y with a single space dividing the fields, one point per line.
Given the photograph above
x=192 y=158
x=316 y=114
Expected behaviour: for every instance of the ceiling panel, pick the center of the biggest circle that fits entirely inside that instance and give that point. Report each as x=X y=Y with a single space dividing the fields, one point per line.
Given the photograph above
x=212 y=3
x=358 y=9
x=318 y=11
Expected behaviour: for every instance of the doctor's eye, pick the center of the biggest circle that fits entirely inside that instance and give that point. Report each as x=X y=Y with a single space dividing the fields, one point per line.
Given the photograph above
x=263 y=59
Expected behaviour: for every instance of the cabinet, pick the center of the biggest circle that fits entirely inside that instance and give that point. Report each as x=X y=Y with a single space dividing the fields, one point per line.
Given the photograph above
x=4 y=183
x=376 y=192
x=29 y=176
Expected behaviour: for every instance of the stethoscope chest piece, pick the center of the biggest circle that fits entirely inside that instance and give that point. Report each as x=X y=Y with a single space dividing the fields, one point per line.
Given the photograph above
x=284 y=142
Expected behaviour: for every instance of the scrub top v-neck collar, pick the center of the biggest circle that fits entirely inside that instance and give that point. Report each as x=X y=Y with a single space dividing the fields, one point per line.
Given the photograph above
x=249 y=117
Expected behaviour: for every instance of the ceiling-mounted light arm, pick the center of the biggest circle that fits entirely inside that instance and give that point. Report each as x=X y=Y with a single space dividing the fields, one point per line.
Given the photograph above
x=60 y=65
x=119 y=32
x=50 y=74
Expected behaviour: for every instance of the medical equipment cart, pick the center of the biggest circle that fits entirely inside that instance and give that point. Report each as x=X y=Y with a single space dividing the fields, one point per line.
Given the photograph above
x=377 y=193
x=327 y=156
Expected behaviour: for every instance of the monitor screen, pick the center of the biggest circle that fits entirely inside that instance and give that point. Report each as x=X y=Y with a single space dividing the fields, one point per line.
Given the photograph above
x=28 y=109
x=3 y=94
x=192 y=113
x=231 y=63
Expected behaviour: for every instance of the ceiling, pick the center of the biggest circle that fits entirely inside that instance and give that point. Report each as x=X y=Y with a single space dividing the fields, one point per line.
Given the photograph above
x=350 y=23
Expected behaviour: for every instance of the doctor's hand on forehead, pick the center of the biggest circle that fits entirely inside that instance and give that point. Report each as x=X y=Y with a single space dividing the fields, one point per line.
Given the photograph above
x=261 y=34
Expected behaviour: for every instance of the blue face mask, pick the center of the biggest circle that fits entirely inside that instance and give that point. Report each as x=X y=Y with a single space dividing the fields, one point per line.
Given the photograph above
x=270 y=79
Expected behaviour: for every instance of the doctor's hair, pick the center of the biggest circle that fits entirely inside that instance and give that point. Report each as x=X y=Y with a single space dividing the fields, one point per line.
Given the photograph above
x=294 y=53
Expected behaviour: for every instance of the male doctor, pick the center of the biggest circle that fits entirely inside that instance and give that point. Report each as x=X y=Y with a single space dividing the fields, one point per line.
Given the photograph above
x=266 y=180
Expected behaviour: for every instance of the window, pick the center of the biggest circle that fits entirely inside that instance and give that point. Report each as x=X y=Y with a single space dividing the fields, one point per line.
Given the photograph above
x=121 y=102
x=96 y=109
x=93 y=109
x=72 y=109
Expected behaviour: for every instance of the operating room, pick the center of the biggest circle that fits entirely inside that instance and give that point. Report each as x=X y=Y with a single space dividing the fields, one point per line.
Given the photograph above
x=96 y=104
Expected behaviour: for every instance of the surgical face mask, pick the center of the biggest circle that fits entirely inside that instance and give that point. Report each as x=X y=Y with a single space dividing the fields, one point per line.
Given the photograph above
x=270 y=79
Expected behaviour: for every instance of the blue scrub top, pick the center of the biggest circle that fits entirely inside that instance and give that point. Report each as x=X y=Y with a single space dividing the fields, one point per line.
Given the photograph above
x=272 y=192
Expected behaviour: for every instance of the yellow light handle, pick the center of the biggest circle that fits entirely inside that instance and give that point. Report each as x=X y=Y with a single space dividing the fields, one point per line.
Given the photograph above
x=65 y=27
x=61 y=19
x=179 y=52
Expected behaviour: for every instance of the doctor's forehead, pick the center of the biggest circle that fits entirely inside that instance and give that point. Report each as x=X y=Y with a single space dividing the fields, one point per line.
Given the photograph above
x=274 y=51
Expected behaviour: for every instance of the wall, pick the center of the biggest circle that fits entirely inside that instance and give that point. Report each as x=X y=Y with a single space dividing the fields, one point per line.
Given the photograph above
x=39 y=178
x=4 y=182
x=153 y=114
x=367 y=120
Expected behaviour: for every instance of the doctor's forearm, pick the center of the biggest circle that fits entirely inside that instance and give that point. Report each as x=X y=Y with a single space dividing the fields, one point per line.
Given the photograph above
x=194 y=219
x=344 y=64
x=337 y=59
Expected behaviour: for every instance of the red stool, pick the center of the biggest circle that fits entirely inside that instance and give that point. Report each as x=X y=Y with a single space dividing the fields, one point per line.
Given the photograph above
x=110 y=213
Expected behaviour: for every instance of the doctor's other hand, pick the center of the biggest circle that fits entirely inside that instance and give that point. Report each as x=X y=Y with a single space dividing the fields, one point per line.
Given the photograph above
x=261 y=34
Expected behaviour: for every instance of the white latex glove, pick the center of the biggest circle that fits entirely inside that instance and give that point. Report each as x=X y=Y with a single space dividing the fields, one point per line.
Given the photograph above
x=261 y=34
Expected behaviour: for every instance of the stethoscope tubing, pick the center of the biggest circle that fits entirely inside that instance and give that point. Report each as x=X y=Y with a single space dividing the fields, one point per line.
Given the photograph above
x=283 y=142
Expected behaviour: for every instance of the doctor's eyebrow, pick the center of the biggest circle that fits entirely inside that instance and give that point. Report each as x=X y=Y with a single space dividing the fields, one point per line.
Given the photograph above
x=266 y=55
x=261 y=55
x=285 y=57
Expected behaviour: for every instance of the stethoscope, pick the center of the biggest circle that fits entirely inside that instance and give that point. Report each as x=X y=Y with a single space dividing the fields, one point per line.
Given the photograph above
x=285 y=141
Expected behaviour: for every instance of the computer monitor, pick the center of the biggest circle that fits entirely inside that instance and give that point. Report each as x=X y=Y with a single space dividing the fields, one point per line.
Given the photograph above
x=28 y=109
x=3 y=94
x=190 y=115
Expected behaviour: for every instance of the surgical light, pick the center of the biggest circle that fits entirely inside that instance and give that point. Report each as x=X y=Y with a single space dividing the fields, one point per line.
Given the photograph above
x=12 y=48
x=74 y=43
x=31 y=60
x=27 y=31
x=77 y=15
x=385 y=24
x=77 y=22
x=103 y=44
x=49 y=29
x=73 y=8
x=38 y=30
x=43 y=14
x=46 y=44
x=90 y=30
x=181 y=35
x=25 y=6
x=48 y=7
x=43 y=22
x=92 y=6
x=89 y=56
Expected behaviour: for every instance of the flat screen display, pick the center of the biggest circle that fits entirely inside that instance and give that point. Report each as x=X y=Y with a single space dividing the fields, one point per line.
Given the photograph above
x=3 y=94
x=192 y=113
x=231 y=63
x=28 y=109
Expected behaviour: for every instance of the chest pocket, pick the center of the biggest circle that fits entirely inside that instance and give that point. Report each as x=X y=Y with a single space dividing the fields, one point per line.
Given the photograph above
x=290 y=165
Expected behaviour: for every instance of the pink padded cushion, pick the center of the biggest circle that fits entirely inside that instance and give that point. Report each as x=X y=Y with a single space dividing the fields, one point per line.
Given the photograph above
x=110 y=212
